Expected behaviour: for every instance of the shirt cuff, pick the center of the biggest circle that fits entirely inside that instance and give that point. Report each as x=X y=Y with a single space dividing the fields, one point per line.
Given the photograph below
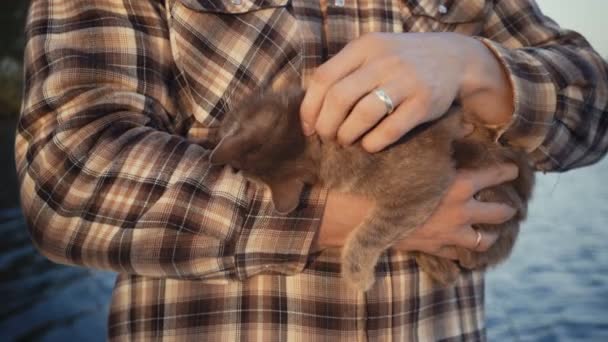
x=534 y=96
x=271 y=242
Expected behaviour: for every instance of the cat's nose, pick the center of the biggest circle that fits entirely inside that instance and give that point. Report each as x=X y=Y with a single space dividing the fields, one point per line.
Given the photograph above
x=236 y=167
x=233 y=169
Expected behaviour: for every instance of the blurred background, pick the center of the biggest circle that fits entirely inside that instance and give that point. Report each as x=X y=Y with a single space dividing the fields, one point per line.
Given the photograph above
x=554 y=287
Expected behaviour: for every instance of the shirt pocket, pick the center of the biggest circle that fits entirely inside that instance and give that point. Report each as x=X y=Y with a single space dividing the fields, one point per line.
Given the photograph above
x=463 y=16
x=227 y=49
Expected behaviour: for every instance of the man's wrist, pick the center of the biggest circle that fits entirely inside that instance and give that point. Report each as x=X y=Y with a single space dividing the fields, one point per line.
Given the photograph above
x=486 y=90
x=342 y=214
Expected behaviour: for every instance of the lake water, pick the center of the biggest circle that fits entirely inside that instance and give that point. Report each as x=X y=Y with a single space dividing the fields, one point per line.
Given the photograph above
x=554 y=287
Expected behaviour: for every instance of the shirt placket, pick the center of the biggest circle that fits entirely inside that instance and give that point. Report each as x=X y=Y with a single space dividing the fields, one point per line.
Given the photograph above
x=341 y=24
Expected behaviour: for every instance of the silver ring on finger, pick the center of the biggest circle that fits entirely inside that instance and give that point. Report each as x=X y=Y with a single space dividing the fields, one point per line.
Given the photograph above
x=388 y=103
x=478 y=240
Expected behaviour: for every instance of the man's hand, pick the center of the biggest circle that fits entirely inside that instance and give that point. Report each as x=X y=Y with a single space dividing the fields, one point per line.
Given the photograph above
x=422 y=73
x=450 y=224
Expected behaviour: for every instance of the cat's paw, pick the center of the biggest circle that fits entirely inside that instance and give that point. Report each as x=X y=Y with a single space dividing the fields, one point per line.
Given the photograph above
x=442 y=271
x=471 y=260
x=360 y=277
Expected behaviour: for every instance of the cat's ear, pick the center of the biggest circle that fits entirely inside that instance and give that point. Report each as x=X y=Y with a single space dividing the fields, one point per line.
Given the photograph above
x=286 y=194
x=229 y=147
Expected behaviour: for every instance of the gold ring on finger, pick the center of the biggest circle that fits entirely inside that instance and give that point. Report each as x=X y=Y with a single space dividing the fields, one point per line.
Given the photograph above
x=478 y=240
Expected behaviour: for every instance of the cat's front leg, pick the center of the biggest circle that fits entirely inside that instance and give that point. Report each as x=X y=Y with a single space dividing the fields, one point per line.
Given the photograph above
x=441 y=270
x=366 y=243
x=358 y=267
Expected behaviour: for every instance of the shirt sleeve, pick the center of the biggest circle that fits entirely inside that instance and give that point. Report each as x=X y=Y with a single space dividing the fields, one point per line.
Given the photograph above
x=108 y=182
x=560 y=87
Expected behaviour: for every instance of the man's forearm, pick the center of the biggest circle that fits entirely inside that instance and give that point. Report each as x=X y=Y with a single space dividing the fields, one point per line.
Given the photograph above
x=342 y=214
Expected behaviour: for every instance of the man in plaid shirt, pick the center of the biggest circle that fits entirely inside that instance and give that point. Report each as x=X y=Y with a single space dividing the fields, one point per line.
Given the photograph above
x=121 y=101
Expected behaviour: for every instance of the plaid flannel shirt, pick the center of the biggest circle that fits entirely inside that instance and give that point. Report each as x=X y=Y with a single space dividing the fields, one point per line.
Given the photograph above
x=121 y=98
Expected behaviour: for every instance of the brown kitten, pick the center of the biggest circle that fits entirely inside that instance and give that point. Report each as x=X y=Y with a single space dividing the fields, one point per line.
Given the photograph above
x=264 y=139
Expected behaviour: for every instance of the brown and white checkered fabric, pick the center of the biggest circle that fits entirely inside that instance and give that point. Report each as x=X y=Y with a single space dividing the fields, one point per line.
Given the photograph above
x=121 y=98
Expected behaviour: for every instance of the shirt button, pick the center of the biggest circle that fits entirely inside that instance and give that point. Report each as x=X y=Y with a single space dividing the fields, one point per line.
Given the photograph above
x=442 y=9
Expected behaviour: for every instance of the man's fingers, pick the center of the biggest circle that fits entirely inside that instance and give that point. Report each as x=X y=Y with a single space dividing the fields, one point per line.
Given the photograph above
x=469 y=182
x=343 y=95
x=407 y=116
x=467 y=238
x=489 y=213
x=336 y=68
x=369 y=111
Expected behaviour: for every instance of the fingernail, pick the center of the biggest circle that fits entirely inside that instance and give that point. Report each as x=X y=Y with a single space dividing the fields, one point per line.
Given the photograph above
x=512 y=171
x=308 y=130
x=370 y=148
x=510 y=212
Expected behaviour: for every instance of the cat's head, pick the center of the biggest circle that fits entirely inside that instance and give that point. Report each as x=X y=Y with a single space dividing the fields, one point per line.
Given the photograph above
x=264 y=139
